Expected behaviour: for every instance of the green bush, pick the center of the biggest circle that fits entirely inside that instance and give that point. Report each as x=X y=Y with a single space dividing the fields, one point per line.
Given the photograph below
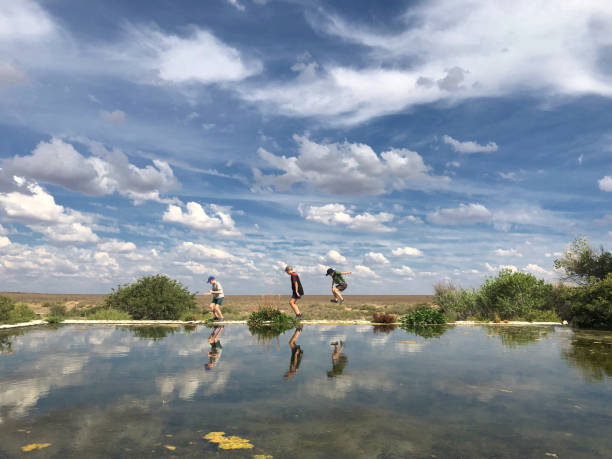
x=581 y=262
x=513 y=295
x=591 y=305
x=54 y=319
x=457 y=304
x=423 y=316
x=269 y=321
x=108 y=314
x=154 y=297
x=14 y=313
x=58 y=310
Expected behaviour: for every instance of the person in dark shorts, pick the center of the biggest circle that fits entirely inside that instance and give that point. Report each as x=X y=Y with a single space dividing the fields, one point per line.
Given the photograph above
x=297 y=291
x=338 y=284
x=215 y=347
x=296 y=354
x=216 y=290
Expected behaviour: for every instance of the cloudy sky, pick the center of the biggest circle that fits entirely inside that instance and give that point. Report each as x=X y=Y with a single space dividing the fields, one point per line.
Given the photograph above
x=409 y=144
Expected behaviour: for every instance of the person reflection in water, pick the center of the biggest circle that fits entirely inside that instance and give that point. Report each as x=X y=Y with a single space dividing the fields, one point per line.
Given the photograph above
x=215 y=347
x=296 y=354
x=339 y=360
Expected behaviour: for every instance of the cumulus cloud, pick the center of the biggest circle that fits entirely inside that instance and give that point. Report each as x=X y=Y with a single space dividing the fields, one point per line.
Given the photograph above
x=105 y=172
x=24 y=20
x=4 y=241
x=199 y=57
x=347 y=168
x=194 y=216
x=404 y=271
x=498 y=268
x=507 y=253
x=333 y=256
x=537 y=270
x=113 y=117
x=605 y=184
x=116 y=246
x=463 y=215
x=406 y=252
x=451 y=53
x=338 y=214
x=375 y=258
x=363 y=271
x=236 y=4
x=469 y=146
x=36 y=208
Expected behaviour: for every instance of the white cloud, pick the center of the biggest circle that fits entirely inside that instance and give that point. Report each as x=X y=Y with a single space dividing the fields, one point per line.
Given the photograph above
x=3 y=231
x=496 y=269
x=10 y=75
x=37 y=209
x=333 y=256
x=537 y=270
x=347 y=168
x=605 y=184
x=24 y=20
x=338 y=214
x=375 y=258
x=411 y=219
x=236 y=4
x=203 y=252
x=4 y=241
x=507 y=253
x=469 y=146
x=404 y=271
x=106 y=172
x=115 y=246
x=452 y=53
x=406 y=252
x=363 y=271
x=114 y=117
x=504 y=219
x=462 y=215
x=198 y=58
x=194 y=216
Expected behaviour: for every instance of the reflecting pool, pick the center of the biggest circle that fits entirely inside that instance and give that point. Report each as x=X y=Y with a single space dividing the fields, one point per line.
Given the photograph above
x=320 y=391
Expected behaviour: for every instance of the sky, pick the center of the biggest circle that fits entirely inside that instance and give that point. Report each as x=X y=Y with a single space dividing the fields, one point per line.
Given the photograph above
x=409 y=142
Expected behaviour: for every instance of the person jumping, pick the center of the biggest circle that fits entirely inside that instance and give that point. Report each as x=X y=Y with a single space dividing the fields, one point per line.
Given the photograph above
x=338 y=284
x=216 y=290
x=297 y=291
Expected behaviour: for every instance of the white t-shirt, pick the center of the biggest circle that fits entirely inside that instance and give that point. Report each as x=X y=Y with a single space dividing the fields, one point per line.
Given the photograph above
x=217 y=289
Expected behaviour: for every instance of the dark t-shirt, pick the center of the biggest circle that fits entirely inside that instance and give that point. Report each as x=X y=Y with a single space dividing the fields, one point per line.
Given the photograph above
x=295 y=278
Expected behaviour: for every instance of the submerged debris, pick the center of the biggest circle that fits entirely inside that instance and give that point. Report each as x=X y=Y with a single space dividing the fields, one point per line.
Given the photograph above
x=231 y=442
x=33 y=446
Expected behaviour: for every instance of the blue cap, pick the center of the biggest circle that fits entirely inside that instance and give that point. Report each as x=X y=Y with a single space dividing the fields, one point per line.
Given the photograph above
x=211 y=278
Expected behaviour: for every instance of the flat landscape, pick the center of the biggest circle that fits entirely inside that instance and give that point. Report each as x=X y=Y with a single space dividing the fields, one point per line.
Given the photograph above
x=240 y=306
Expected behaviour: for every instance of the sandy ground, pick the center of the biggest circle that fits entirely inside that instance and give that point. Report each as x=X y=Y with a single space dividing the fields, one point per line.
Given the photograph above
x=356 y=307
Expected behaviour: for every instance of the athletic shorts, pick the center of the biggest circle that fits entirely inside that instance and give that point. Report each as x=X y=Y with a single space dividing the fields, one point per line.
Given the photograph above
x=218 y=301
x=342 y=286
x=295 y=297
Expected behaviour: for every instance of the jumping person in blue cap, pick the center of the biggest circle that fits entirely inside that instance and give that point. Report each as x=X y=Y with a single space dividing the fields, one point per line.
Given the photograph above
x=216 y=290
x=338 y=284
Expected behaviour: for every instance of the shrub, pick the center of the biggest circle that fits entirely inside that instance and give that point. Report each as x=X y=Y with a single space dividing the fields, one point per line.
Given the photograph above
x=581 y=262
x=513 y=295
x=108 y=314
x=14 y=313
x=456 y=304
x=154 y=297
x=427 y=331
x=54 y=319
x=58 y=310
x=591 y=305
x=270 y=315
x=423 y=316
x=383 y=318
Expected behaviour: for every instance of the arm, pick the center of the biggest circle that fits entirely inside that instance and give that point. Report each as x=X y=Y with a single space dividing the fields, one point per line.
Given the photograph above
x=348 y=272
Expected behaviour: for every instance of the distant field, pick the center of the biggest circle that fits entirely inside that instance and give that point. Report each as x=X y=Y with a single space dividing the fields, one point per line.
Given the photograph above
x=239 y=306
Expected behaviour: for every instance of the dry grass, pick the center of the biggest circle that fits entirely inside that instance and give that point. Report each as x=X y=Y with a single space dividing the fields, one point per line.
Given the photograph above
x=238 y=307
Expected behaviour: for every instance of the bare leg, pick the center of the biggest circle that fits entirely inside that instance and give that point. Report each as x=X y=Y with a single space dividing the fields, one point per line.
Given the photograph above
x=218 y=312
x=294 y=306
x=211 y=307
x=337 y=294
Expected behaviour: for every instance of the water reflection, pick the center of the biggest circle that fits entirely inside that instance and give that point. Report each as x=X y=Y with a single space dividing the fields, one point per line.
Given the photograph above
x=428 y=331
x=215 y=347
x=513 y=336
x=386 y=329
x=154 y=333
x=339 y=360
x=296 y=354
x=6 y=340
x=591 y=352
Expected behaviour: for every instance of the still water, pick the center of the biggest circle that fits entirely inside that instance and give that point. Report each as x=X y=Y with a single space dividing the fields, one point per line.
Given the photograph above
x=104 y=391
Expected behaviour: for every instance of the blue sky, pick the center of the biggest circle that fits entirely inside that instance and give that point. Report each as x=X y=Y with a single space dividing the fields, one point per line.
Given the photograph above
x=410 y=143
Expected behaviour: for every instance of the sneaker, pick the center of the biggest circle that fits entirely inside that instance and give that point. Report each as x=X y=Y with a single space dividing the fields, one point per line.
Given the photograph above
x=341 y=301
x=220 y=319
x=215 y=319
x=333 y=301
x=335 y=343
x=298 y=316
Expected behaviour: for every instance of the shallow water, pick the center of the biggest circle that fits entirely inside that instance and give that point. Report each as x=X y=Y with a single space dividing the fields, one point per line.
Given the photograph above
x=104 y=391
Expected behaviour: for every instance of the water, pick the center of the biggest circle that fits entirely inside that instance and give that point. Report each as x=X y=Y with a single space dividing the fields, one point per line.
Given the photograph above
x=103 y=391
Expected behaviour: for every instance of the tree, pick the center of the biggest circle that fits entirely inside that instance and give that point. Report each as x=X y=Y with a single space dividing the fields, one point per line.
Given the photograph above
x=581 y=262
x=154 y=297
